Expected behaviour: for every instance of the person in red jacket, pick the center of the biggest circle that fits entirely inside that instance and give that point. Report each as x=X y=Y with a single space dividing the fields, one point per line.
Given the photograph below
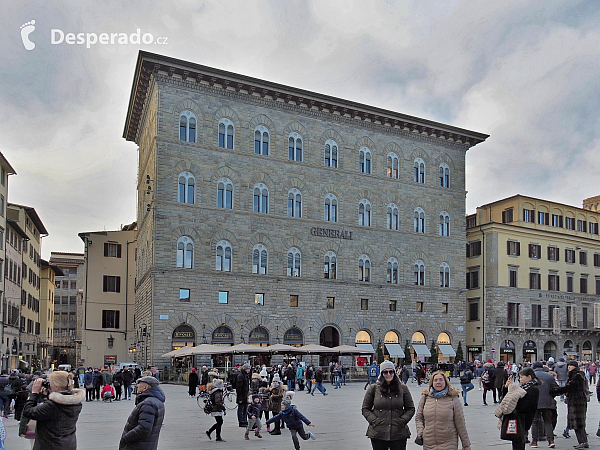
x=108 y=393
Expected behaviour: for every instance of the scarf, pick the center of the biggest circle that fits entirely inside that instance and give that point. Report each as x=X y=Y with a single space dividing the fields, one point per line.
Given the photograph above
x=436 y=394
x=527 y=385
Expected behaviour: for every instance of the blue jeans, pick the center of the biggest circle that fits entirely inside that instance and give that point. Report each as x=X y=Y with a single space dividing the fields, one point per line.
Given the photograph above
x=320 y=387
x=5 y=403
x=466 y=388
x=336 y=381
x=128 y=388
x=344 y=378
x=291 y=384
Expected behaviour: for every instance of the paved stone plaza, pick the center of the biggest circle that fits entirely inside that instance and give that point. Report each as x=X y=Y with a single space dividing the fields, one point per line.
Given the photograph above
x=337 y=418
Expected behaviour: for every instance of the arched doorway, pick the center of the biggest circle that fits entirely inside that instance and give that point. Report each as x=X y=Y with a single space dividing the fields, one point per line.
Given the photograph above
x=419 y=348
x=529 y=352
x=259 y=336
x=223 y=336
x=446 y=352
x=550 y=351
x=586 y=350
x=569 y=349
x=392 y=348
x=183 y=336
x=329 y=337
x=507 y=351
x=293 y=337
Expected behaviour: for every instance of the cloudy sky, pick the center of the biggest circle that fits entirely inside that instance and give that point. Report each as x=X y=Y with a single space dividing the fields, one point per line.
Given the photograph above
x=526 y=73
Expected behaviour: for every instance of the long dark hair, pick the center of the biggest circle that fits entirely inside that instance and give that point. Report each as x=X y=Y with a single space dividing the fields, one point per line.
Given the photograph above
x=392 y=388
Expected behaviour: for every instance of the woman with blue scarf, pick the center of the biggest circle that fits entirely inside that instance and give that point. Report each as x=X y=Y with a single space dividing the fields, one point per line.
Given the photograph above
x=440 y=420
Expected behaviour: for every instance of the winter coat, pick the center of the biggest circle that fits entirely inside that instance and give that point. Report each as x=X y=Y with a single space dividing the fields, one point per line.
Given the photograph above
x=145 y=421
x=292 y=418
x=242 y=387
x=127 y=377
x=576 y=399
x=562 y=371
x=440 y=422
x=56 y=419
x=521 y=401
x=88 y=379
x=192 y=383
x=319 y=376
x=489 y=367
x=255 y=383
x=107 y=377
x=97 y=379
x=500 y=376
x=254 y=409
x=204 y=378
x=547 y=388
x=216 y=398
x=275 y=399
x=388 y=414
x=466 y=377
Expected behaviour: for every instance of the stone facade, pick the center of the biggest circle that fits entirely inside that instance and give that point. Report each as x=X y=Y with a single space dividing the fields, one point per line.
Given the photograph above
x=163 y=219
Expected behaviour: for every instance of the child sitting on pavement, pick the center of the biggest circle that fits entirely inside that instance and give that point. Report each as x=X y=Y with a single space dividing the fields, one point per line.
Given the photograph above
x=108 y=393
x=293 y=419
x=254 y=417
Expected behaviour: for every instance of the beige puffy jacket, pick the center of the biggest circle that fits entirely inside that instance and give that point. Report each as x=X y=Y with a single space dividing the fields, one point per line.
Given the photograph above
x=441 y=421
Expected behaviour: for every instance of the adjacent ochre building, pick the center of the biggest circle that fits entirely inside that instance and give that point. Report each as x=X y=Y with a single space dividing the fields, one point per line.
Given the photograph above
x=533 y=280
x=105 y=327
x=67 y=307
x=28 y=220
x=48 y=273
x=270 y=214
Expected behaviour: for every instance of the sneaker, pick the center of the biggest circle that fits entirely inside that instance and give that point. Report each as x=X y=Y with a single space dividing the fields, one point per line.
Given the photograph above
x=534 y=444
x=551 y=444
x=275 y=433
x=566 y=435
x=257 y=434
x=598 y=432
x=481 y=389
x=246 y=437
x=220 y=440
x=312 y=436
x=466 y=404
x=208 y=434
x=485 y=404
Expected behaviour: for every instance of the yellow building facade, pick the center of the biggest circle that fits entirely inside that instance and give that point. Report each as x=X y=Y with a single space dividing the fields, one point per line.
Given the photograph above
x=48 y=273
x=533 y=281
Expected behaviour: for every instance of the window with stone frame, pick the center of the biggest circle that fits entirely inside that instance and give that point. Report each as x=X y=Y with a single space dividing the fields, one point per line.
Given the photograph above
x=295 y=147
x=444 y=175
x=187 y=126
x=419 y=171
x=261 y=141
x=226 y=134
x=364 y=160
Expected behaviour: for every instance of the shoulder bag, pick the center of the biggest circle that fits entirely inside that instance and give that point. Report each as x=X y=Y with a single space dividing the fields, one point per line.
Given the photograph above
x=511 y=427
x=419 y=439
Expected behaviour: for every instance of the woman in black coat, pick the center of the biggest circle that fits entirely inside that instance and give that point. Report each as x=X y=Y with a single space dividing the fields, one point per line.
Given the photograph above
x=193 y=382
x=576 y=402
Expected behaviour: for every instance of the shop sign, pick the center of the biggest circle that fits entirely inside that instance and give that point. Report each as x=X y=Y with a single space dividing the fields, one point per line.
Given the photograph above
x=183 y=335
x=473 y=349
x=293 y=336
x=110 y=359
x=331 y=233
x=222 y=334
x=529 y=350
x=259 y=334
x=507 y=350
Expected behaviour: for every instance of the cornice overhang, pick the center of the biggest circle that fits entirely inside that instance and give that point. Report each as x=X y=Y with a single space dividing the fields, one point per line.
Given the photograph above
x=150 y=63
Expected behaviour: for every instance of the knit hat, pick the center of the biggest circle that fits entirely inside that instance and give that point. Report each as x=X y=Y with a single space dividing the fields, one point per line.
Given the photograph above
x=561 y=359
x=245 y=366
x=218 y=383
x=276 y=378
x=489 y=360
x=573 y=363
x=151 y=381
x=193 y=369
x=537 y=365
x=387 y=365
x=286 y=402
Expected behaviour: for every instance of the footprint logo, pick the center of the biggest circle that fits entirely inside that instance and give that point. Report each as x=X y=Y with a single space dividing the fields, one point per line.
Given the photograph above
x=26 y=30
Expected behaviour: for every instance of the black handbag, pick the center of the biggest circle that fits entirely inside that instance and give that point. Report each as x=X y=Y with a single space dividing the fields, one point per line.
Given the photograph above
x=511 y=427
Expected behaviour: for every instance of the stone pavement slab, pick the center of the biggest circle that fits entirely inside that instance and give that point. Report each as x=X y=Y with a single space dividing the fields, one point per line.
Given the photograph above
x=339 y=424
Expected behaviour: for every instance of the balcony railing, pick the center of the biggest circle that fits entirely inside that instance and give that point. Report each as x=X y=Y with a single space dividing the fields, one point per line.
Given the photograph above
x=513 y=322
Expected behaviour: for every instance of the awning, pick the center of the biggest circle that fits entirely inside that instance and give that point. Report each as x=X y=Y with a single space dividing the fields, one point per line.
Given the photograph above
x=571 y=353
x=447 y=350
x=421 y=350
x=395 y=350
x=365 y=346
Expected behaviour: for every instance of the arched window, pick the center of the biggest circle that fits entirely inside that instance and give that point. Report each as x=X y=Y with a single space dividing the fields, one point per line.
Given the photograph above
x=294 y=262
x=419 y=171
x=419 y=220
x=186 y=188
x=392 y=271
x=364 y=268
x=364 y=160
x=185 y=252
x=261 y=141
x=331 y=153
x=329 y=266
x=187 y=126
x=331 y=207
x=226 y=133
x=295 y=147
x=444 y=175
x=444 y=275
x=393 y=166
x=261 y=198
x=444 y=224
x=392 y=216
x=294 y=203
x=419 y=273
x=364 y=213
x=225 y=193
x=259 y=259
x=223 y=263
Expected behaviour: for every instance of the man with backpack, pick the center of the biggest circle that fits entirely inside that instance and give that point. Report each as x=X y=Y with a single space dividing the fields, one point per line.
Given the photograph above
x=487 y=380
x=373 y=372
x=465 y=383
